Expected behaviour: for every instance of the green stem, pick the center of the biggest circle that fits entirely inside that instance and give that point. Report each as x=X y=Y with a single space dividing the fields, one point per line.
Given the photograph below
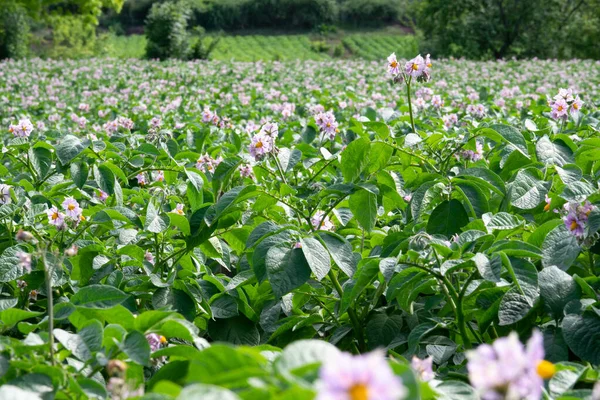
x=401 y=150
x=50 y=307
x=410 y=111
x=279 y=169
x=321 y=170
x=351 y=312
x=592 y=266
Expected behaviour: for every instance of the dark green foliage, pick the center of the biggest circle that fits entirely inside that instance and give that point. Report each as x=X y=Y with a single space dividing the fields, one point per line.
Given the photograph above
x=497 y=29
x=370 y=12
x=240 y=14
x=166 y=31
x=14 y=30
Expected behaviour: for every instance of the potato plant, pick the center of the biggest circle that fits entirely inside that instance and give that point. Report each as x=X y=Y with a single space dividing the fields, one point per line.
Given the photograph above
x=319 y=230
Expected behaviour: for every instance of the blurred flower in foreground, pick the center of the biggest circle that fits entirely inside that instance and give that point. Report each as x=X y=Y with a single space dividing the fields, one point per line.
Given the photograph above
x=508 y=370
x=362 y=377
x=423 y=368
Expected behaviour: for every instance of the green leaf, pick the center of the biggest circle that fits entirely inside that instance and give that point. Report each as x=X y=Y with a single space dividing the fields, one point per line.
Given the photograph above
x=526 y=191
x=452 y=390
x=569 y=173
x=379 y=156
x=560 y=248
x=366 y=272
x=41 y=160
x=317 y=257
x=447 y=218
x=10 y=267
x=557 y=288
x=180 y=221
x=303 y=353
x=287 y=269
x=485 y=177
x=553 y=153
x=12 y=316
x=74 y=343
x=69 y=148
x=383 y=329
x=79 y=173
x=516 y=306
x=567 y=375
x=206 y=392
x=582 y=334
x=577 y=191
x=105 y=178
x=511 y=135
x=341 y=252
x=355 y=158
x=136 y=347
x=363 y=205
x=98 y=296
x=238 y=330
x=501 y=221
x=155 y=222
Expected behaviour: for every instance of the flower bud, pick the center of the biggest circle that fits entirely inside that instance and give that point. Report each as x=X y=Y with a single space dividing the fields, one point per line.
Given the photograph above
x=24 y=236
x=116 y=367
x=71 y=251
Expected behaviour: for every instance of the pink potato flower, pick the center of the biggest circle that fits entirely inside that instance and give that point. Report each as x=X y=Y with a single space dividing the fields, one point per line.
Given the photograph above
x=507 y=369
x=362 y=377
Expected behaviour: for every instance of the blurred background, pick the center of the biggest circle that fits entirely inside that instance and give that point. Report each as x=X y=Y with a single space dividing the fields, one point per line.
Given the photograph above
x=251 y=30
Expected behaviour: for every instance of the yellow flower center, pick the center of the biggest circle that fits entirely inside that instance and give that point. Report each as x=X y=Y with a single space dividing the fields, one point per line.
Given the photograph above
x=573 y=225
x=576 y=106
x=359 y=392
x=394 y=64
x=55 y=216
x=546 y=369
x=429 y=65
x=547 y=207
x=259 y=145
x=71 y=207
x=82 y=218
x=415 y=67
x=560 y=108
x=180 y=212
x=163 y=340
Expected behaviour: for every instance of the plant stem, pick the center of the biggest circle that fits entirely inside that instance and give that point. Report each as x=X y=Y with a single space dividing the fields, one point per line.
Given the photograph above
x=412 y=121
x=351 y=313
x=50 y=307
x=279 y=169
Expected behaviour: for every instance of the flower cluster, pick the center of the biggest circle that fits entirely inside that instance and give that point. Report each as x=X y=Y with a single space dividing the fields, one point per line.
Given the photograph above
x=418 y=68
x=264 y=141
x=362 y=377
x=576 y=217
x=564 y=103
x=207 y=163
x=72 y=212
x=155 y=341
x=22 y=129
x=327 y=124
x=508 y=370
x=470 y=155
x=326 y=225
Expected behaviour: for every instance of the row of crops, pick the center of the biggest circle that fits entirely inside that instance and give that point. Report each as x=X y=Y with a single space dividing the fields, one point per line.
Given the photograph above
x=367 y=46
